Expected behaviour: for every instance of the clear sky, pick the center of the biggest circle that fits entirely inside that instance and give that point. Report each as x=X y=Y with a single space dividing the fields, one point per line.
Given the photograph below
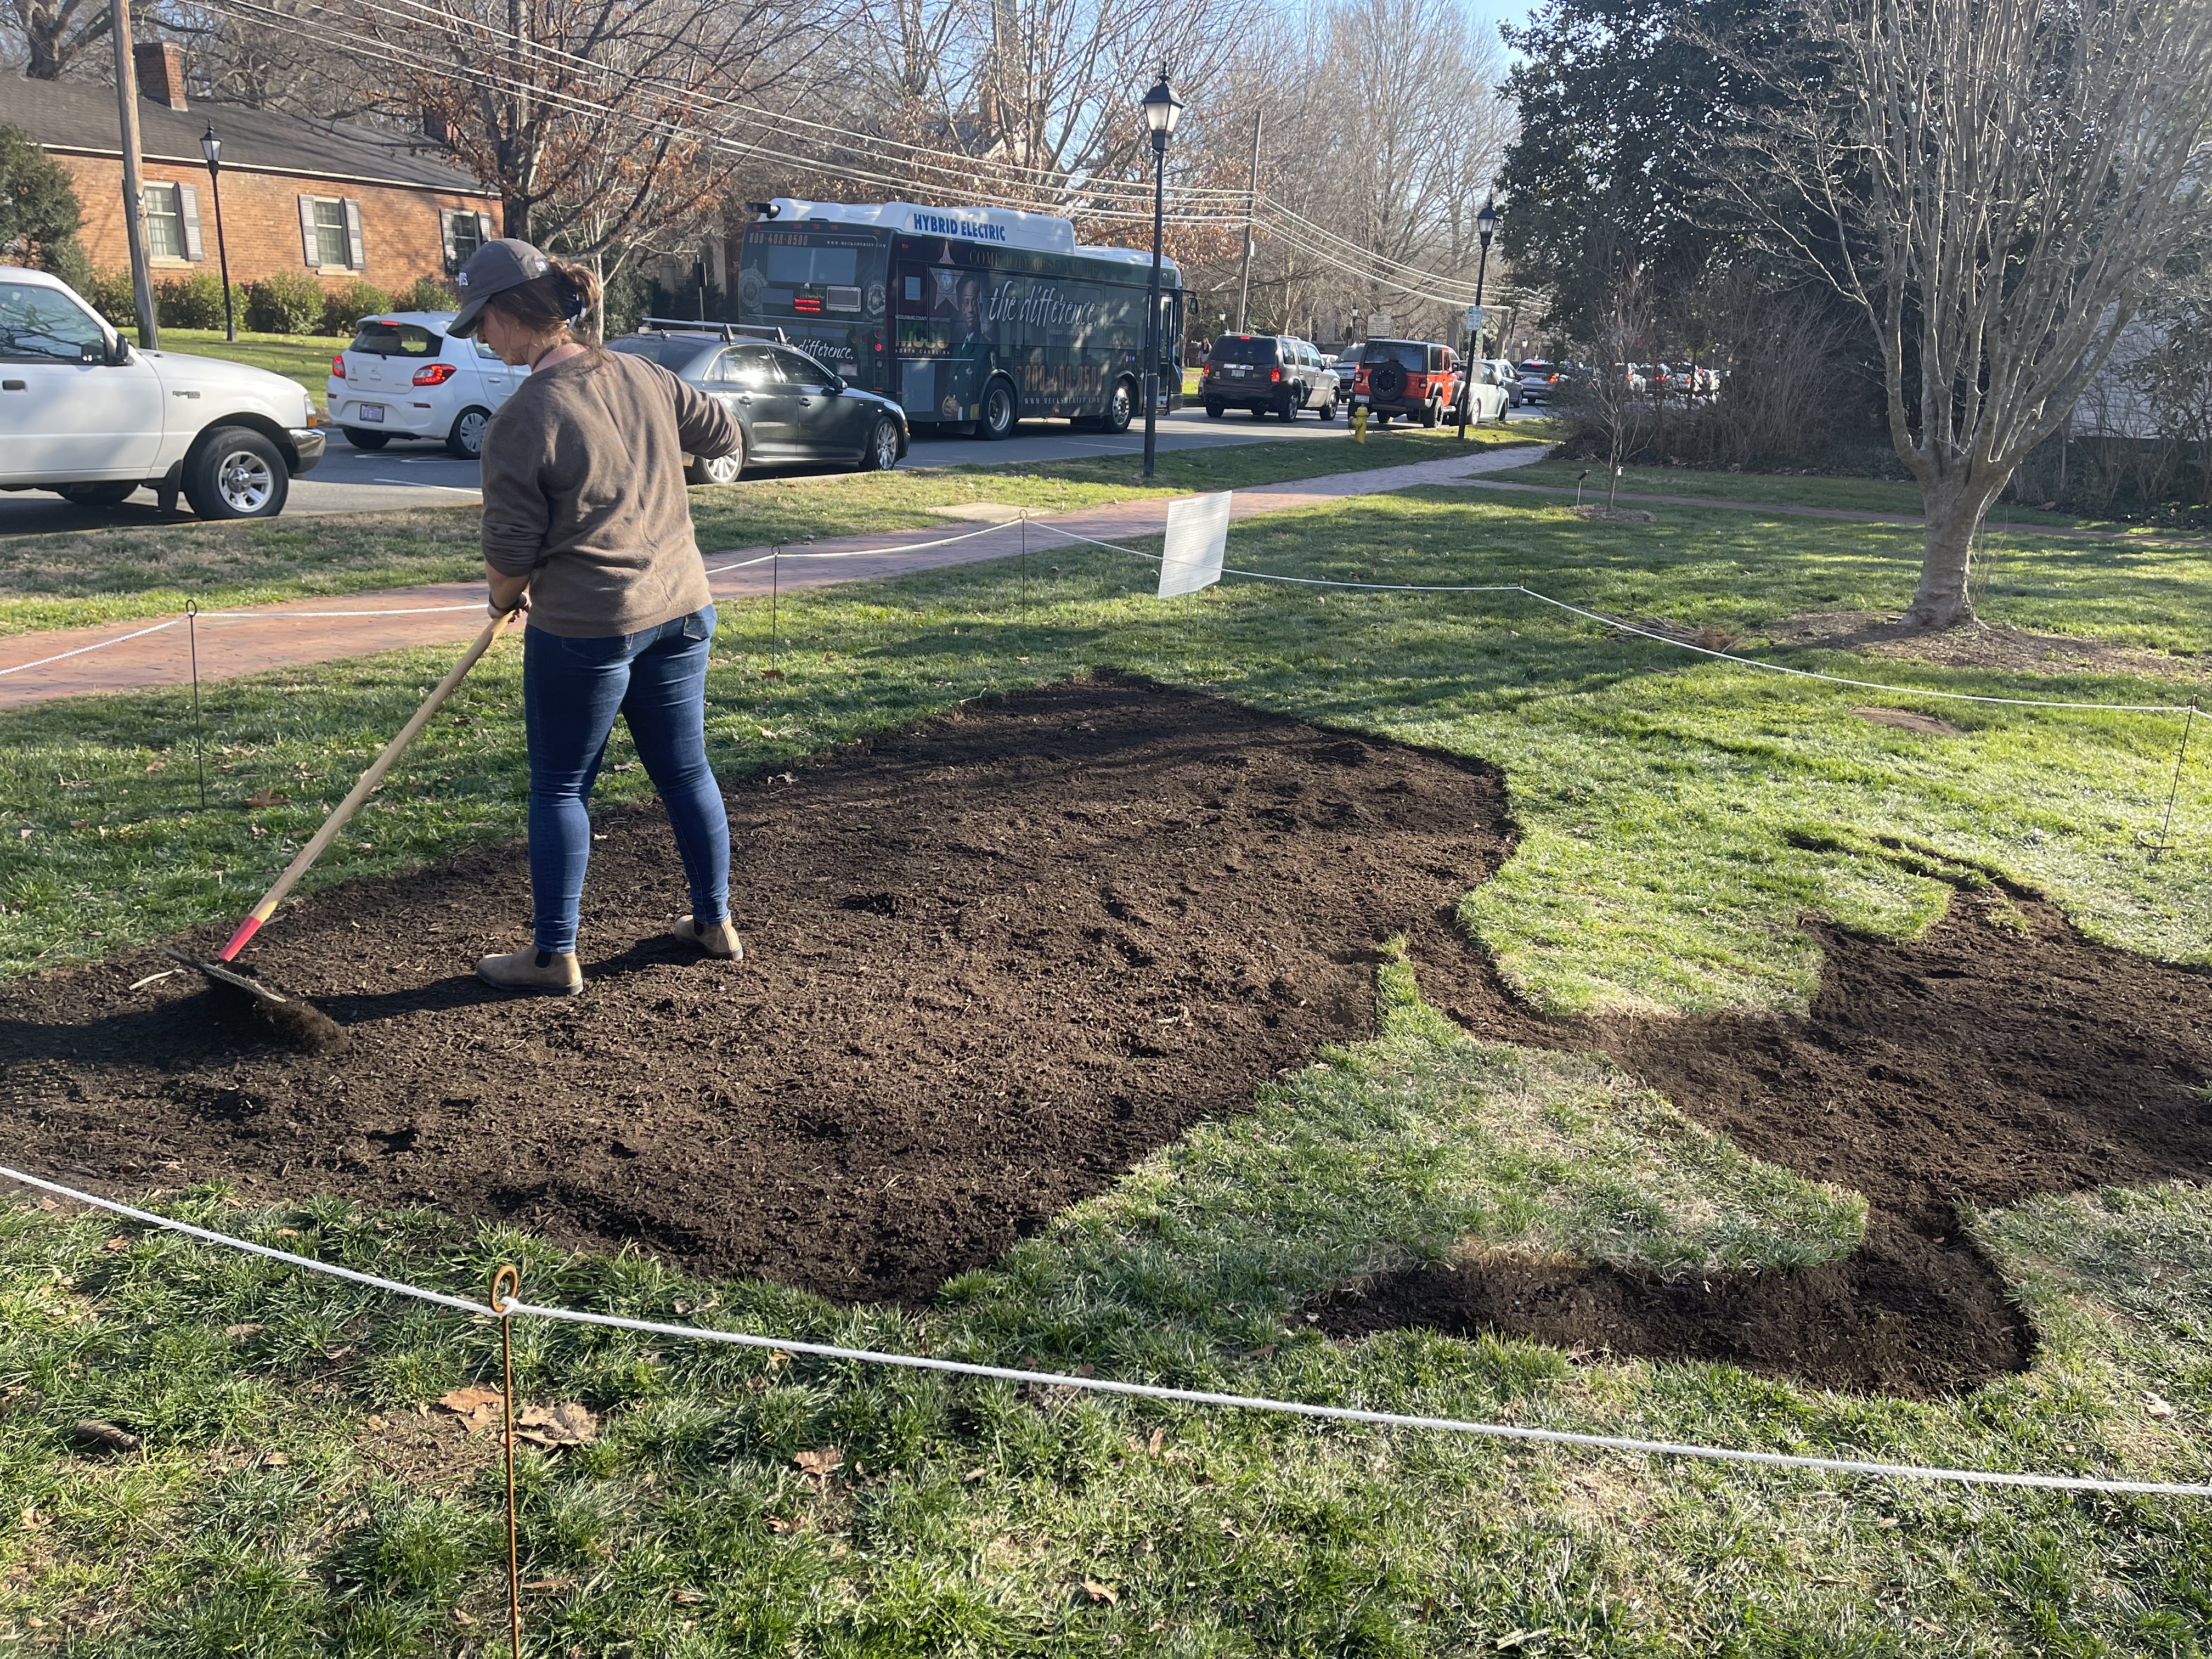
x=1489 y=13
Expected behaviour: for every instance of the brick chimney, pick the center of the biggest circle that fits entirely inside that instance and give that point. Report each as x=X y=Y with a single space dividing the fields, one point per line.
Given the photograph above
x=160 y=66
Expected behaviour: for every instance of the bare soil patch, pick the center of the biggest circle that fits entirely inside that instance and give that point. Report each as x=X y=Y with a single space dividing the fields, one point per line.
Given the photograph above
x=992 y=962
x=996 y=959
x=1973 y=1068
x=1977 y=644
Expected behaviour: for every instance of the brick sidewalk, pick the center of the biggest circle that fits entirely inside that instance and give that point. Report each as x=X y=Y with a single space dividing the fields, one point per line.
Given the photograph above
x=249 y=642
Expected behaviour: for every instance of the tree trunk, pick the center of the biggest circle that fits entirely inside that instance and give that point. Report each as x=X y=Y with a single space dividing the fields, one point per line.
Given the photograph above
x=1954 y=509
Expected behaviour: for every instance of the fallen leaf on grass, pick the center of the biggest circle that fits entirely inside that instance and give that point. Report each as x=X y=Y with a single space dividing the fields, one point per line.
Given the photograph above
x=119 y=1242
x=779 y=1526
x=1229 y=1528
x=565 y=1424
x=240 y=1333
x=1153 y=1446
x=1520 y=1638
x=461 y=1616
x=1100 y=1594
x=477 y=1408
x=822 y=1462
x=2156 y=1406
x=549 y=1586
x=266 y=797
x=690 y=1597
x=275 y=1460
x=94 y=1432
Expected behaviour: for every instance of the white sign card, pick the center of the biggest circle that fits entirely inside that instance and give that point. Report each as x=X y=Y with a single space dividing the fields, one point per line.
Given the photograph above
x=1198 y=535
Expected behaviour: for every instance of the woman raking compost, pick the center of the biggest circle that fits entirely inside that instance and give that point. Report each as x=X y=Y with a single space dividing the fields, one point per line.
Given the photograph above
x=587 y=528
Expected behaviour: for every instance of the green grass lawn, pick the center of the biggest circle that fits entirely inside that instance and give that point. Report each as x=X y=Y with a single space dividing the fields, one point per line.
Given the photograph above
x=89 y=576
x=302 y=357
x=1790 y=490
x=1678 y=819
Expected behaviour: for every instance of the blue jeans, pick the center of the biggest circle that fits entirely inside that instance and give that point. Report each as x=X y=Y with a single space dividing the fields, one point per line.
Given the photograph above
x=572 y=689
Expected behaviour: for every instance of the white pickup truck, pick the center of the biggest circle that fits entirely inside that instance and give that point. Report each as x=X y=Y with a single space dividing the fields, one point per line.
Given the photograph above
x=84 y=413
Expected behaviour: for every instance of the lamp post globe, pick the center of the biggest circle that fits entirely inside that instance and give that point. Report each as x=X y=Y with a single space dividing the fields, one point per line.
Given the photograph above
x=1163 y=109
x=211 y=148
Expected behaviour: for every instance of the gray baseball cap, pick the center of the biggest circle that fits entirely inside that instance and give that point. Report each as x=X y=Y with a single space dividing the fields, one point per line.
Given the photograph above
x=493 y=269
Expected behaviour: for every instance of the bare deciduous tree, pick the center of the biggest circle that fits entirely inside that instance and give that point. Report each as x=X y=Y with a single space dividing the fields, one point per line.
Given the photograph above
x=2003 y=179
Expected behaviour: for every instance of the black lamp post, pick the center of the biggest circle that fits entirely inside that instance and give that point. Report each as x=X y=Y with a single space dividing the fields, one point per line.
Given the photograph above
x=1161 y=110
x=1485 y=227
x=211 y=147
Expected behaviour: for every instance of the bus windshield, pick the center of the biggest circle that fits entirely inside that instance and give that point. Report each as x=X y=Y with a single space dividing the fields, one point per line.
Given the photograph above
x=811 y=273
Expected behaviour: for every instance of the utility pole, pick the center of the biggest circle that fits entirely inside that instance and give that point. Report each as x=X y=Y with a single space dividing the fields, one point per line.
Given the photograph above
x=1251 y=205
x=134 y=193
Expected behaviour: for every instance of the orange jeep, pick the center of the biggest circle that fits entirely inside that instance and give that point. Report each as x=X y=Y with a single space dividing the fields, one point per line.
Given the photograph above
x=1416 y=377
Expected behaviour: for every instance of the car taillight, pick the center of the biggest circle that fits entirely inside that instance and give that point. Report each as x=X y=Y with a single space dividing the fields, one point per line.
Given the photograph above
x=1274 y=374
x=434 y=374
x=337 y=365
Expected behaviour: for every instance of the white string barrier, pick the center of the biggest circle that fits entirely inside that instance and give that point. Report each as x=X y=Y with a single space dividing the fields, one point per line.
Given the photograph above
x=1662 y=639
x=512 y=1307
x=97 y=645
x=446 y=610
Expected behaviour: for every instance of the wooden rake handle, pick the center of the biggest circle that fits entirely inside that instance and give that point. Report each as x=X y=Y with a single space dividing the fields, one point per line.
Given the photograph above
x=361 y=791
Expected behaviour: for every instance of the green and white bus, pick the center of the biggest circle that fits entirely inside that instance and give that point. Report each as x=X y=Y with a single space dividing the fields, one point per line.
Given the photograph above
x=973 y=318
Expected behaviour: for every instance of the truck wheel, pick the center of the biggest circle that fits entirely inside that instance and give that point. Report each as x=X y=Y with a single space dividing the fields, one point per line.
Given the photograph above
x=1429 y=413
x=364 y=440
x=466 y=441
x=723 y=469
x=96 y=494
x=233 y=472
x=1215 y=411
x=1001 y=412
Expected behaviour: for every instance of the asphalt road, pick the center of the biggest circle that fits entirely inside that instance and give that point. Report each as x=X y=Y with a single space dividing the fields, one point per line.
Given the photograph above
x=407 y=474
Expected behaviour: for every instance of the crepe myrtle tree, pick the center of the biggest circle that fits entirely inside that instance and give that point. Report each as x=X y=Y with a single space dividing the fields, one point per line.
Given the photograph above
x=1997 y=185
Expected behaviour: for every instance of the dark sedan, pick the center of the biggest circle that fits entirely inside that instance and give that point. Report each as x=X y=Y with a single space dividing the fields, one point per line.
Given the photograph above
x=789 y=407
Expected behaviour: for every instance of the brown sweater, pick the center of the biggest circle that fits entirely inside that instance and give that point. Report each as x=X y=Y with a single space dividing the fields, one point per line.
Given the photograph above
x=583 y=490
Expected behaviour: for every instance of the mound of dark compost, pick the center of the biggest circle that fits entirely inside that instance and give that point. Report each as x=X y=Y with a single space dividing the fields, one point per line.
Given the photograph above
x=991 y=962
x=2001 y=1056
x=996 y=959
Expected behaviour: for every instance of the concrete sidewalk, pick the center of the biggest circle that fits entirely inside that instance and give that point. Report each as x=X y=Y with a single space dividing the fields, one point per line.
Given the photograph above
x=281 y=636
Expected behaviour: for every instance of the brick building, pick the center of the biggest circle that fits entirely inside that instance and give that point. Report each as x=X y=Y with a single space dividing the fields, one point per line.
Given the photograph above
x=341 y=202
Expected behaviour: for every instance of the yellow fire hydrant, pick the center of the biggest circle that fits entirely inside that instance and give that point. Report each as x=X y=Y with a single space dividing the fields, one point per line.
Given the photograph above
x=1360 y=424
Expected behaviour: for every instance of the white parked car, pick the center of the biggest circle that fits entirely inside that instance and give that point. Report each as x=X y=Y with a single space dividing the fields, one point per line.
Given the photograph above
x=85 y=413
x=404 y=377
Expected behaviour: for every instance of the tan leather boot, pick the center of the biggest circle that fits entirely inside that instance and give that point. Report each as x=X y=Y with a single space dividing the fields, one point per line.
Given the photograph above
x=532 y=970
x=717 y=939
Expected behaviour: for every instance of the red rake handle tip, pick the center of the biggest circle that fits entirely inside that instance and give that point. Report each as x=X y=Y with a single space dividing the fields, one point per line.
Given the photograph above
x=246 y=930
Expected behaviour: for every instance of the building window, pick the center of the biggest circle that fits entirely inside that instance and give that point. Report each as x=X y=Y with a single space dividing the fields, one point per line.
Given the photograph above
x=465 y=235
x=331 y=234
x=165 y=222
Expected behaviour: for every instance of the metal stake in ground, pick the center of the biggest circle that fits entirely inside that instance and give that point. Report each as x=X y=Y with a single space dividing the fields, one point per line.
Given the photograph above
x=2166 y=830
x=511 y=1278
x=199 y=740
x=1025 y=570
x=774 y=597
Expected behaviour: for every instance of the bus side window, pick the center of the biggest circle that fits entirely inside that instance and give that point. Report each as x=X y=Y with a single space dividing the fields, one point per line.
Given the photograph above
x=910 y=289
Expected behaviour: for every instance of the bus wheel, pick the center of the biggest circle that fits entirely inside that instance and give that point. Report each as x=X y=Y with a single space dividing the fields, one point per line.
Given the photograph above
x=1121 y=409
x=999 y=414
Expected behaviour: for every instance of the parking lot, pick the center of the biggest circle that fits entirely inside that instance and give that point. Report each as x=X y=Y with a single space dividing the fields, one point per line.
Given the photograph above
x=424 y=475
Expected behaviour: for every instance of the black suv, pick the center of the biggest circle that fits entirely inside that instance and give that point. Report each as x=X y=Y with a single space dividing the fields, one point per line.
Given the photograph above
x=1267 y=374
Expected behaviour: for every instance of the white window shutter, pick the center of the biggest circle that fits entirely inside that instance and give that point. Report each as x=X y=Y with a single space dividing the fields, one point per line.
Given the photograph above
x=307 y=231
x=484 y=227
x=188 y=204
x=354 y=256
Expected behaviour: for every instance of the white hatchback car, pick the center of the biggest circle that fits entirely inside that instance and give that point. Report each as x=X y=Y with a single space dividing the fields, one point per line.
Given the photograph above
x=85 y=413
x=404 y=377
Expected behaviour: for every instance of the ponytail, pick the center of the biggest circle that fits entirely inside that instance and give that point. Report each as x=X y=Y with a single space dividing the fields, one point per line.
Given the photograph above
x=563 y=298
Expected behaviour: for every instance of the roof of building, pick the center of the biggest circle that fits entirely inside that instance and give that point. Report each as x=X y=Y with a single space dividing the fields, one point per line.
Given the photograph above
x=80 y=116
